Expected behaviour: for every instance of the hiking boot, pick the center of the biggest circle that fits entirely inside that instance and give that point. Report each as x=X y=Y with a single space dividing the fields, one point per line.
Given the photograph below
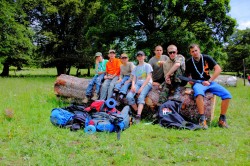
x=203 y=124
x=86 y=100
x=222 y=123
x=95 y=97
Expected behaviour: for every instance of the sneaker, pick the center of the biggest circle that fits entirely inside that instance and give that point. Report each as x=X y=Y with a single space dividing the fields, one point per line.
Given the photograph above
x=222 y=123
x=95 y=97
x=203 y=124
x=137 y=119
x=86 y=100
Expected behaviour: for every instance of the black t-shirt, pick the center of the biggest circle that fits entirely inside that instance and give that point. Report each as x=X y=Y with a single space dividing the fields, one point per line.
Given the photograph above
x=209 y=64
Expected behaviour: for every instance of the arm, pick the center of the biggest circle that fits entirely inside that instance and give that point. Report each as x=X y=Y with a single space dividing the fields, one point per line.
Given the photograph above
x=133 y=84
x=149 y=76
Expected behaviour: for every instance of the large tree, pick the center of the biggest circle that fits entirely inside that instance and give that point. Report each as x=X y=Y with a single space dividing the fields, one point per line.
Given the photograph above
x=152 y=22
x=238 y=48
x=16 y=45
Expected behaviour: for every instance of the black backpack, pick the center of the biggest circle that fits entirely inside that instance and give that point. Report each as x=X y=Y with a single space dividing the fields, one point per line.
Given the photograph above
x=169 y=117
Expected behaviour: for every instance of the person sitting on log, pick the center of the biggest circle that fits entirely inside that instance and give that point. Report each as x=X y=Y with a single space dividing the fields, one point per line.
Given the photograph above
x=100 y=68
x=172 y=67
x=198 y=67
x=125 y=79
x=112 y=75
x=157 y=64
x=141 y=84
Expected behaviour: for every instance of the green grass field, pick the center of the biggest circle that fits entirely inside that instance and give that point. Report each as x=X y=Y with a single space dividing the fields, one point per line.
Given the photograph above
x=29 y=138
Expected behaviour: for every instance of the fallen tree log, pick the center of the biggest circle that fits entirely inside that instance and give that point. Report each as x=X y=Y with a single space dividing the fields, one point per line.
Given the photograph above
x=226 y=80
x=73 y=88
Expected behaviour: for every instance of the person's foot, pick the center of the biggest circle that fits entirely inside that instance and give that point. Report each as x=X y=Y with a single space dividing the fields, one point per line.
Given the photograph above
x=222 y=123
x=137 y=119
x=203 y=124
x=86 y=100
x=95 y=97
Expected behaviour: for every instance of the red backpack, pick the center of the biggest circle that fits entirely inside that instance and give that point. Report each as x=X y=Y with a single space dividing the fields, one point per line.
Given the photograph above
x=107 y=106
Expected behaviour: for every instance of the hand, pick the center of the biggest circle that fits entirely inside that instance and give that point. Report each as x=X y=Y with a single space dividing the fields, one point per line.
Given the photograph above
x=206 y=83
x=106 y=77
x=126 y=82
x=139 y=91
x=119 y=80
x=132 y=89
x=168 y=81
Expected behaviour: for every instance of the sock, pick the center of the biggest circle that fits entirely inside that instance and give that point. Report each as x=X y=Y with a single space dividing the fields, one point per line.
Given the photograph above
x=222 y=117
x=202 y=117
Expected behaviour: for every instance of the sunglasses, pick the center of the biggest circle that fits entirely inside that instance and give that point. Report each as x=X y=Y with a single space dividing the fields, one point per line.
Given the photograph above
x=124 y=57
x=112 y=52
x=171 y=52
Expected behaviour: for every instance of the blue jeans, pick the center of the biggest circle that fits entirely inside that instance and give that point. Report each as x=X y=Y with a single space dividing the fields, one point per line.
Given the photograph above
x=97 y=81
x=121 y=86
x=214 y=88
x=141 y=99
x=107 y=87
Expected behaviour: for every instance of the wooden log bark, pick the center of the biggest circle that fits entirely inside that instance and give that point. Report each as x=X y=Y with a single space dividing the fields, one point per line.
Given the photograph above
x=74 y=88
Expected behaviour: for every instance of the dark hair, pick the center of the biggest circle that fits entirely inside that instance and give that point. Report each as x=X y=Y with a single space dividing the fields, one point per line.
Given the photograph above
x=192 y=46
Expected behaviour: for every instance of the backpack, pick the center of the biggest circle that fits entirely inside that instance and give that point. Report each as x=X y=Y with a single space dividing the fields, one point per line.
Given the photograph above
x=103 y=106
x=61 y=117
x=169 y=117
x=113 y=122
x=79 y=120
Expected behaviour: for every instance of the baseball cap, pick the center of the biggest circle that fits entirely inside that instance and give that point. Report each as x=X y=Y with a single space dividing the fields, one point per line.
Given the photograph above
x=140 y=53
x=111 y=51
x=98 y=54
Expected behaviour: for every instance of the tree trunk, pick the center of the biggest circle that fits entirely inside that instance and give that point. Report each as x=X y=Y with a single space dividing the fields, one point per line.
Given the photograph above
x=6 y=69
x=88 y=71
x=61 y=69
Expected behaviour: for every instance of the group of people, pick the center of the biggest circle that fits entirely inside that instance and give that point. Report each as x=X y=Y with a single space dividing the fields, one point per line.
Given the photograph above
x=123 y=79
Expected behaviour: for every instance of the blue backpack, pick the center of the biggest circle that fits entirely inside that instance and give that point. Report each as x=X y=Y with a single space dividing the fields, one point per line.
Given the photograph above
x=114 y=122
x=60 y=117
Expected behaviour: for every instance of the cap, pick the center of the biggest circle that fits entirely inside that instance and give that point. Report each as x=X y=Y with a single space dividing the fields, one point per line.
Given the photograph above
x=140 y=53
x=111 y=51
x=98 y=54
x=110 y=103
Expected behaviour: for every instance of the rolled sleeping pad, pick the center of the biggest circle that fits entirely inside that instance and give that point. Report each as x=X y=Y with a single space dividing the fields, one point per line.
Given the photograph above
x=90 y=129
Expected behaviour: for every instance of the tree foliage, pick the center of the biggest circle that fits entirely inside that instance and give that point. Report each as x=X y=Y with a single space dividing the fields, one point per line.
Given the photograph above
x=238 y=49
x=16 y=45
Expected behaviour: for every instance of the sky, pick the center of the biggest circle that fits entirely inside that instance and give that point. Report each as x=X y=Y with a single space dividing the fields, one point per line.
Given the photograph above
x=240 y=10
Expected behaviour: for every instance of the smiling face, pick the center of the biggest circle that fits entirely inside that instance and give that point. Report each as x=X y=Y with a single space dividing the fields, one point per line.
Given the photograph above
x=111 y=54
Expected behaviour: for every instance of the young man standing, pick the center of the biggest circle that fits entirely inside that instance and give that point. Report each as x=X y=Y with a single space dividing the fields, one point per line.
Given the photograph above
x=100 y=68
x=198 y=67
x=112 y=75
x=174 y=66
x=157 y=64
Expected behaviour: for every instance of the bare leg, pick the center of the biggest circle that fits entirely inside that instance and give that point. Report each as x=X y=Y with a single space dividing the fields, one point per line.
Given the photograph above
x=224 y=106
x=200 y=104
x=134 y=106
x=140 y=108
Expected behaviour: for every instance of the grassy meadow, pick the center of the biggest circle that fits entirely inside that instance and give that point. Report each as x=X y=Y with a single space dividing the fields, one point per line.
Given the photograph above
x=29 y=138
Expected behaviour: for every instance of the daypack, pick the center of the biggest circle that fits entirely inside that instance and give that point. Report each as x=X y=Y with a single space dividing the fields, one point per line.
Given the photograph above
x=168 y=116
x=113 y=122
x=60 y=117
